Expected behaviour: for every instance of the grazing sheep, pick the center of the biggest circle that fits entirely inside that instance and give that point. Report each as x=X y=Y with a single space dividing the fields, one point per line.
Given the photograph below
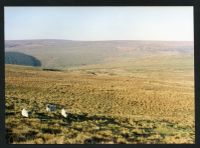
x=50 y=107
x=63 y=113
x=25 y=113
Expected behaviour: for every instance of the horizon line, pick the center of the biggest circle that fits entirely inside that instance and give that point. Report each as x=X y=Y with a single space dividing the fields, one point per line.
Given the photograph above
x=99 y=40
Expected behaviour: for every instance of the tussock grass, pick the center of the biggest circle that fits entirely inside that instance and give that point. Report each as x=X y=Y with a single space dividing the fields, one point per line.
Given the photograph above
x=110 y=106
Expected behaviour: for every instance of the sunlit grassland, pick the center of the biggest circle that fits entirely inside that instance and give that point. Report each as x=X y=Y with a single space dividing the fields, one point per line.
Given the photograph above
x=148 y=100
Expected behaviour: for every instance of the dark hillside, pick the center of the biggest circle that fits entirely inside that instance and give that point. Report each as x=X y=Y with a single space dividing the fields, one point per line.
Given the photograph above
x=18 y=58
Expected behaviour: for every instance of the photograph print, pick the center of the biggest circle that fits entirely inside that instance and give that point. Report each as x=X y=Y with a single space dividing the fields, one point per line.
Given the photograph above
x=99 y=75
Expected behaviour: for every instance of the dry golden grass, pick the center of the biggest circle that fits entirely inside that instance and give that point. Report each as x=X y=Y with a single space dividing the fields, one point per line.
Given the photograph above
x=116 y=106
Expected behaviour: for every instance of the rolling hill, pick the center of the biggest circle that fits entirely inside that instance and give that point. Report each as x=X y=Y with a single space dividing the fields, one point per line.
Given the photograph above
x=62 y=54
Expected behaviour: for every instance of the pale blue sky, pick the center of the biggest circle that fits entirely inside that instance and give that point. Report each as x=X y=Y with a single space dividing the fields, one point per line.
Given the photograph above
x=99 y=23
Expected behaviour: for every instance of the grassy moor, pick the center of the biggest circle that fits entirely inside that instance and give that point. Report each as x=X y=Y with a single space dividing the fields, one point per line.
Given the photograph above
x=114 y=92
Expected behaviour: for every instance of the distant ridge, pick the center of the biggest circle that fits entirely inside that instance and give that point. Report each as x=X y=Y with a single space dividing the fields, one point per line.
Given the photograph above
x=61 y=54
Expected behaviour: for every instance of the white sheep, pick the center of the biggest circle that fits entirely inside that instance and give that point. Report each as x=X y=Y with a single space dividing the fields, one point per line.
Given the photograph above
x=50 y=107
x=25 y=113
x=63 y=113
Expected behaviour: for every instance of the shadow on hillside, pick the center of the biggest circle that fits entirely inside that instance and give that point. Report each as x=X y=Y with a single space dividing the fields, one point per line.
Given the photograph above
x=18 y=58
x=74 y=118
x=84 y=117
x=14 y=137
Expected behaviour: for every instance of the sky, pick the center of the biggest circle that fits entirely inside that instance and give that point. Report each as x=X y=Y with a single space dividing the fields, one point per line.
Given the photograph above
x=99 y=23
